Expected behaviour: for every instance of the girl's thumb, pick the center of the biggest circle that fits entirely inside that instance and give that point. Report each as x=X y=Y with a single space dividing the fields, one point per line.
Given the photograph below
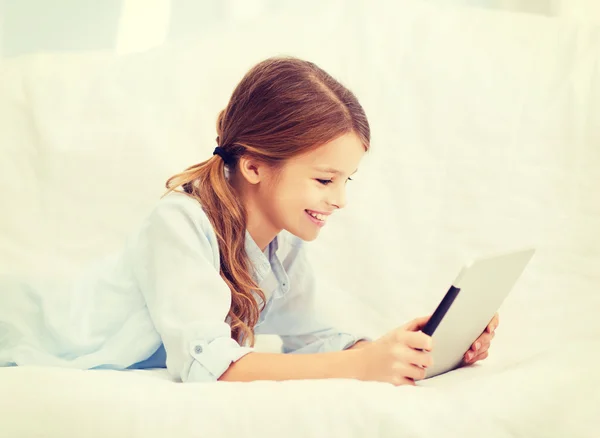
x=417 y=323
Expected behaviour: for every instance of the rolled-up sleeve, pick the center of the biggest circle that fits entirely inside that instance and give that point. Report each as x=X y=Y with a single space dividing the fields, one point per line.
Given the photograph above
x=176 y=268
x=296 y=320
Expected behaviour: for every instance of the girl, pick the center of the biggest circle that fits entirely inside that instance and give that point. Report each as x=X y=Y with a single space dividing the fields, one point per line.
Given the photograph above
x=221 y=257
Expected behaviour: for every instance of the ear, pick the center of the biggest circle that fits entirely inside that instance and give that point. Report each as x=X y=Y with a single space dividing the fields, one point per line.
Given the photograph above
x=252 y=170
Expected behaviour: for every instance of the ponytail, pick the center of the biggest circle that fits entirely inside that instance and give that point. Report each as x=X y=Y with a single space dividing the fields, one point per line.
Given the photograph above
x=206 y=182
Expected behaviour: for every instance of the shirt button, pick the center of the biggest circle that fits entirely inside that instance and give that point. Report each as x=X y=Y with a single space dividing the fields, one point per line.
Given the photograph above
x=198 y=349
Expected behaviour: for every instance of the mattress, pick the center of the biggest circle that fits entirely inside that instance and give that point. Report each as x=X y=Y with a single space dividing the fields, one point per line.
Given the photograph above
x=548 y=394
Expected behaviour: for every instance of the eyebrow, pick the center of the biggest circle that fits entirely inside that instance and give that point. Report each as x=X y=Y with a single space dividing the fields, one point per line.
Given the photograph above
x=332 y=170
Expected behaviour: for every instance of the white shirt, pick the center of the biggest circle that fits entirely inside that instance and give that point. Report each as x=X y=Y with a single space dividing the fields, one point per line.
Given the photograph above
x=162 y=302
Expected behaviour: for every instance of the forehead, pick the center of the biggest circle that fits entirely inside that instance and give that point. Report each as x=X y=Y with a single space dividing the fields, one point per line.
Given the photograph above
x=343 y=153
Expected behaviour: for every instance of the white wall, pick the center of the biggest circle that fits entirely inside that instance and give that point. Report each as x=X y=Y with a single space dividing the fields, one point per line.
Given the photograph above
x=143 y=24
x=586 y=10
x=1 y=24
x=123 y=26
x=126 y=26
x=50 y=25
x=532 y=6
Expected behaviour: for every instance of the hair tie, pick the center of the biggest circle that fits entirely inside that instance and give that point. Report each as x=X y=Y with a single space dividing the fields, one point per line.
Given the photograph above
x=227 y=158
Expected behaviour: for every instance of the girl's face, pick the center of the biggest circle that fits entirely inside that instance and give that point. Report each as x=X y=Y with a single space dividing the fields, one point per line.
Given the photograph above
x=301 y=195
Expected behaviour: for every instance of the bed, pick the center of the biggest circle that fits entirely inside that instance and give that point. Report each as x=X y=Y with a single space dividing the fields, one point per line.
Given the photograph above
x=486 y=137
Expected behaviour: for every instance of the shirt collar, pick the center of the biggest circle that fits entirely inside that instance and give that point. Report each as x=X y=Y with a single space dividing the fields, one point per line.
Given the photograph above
x=260 y=260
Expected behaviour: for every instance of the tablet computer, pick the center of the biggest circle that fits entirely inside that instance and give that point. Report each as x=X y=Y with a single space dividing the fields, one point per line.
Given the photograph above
x=470 y=304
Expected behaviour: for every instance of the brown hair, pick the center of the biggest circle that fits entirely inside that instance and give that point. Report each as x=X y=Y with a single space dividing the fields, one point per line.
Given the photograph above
x=281 y=108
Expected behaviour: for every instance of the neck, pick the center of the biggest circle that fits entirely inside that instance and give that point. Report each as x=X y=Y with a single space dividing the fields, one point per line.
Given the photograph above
x=258 y=224
x=261 y=231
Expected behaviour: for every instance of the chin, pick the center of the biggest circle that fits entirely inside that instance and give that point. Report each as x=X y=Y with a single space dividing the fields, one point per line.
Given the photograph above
x=307 y=236
x=310 y=238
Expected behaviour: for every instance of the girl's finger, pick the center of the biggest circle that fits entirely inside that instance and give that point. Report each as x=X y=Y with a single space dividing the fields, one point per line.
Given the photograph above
x=482 y=340
x=416 y=324
x=479 y=346
x=414 y=372
x=421 y=359
x=493 y=324
x=483 y=349
x=471 y=358
x=481 y=356
x=418 y=340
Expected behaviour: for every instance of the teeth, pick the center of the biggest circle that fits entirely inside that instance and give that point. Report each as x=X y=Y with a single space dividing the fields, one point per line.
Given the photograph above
x=318 y=216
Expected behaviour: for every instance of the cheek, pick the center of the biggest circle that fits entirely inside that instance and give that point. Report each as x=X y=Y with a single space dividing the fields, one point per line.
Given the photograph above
x=296 y=194
x=278 y=199
x=308 y=195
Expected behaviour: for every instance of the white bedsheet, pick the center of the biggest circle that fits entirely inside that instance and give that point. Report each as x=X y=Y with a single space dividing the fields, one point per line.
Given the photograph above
x=550 y=395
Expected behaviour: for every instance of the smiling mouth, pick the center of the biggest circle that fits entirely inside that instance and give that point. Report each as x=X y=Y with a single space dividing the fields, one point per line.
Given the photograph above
x=319 y=218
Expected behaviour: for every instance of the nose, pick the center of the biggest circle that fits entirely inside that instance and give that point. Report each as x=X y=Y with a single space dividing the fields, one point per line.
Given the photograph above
x=338 y=198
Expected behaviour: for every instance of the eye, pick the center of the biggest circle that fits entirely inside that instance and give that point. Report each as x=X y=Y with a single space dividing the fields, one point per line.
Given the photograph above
x=324 y=181
x=349 y=179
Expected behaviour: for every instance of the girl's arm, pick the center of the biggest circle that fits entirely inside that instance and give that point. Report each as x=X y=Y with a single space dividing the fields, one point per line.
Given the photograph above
x=399 y=357
x=346 y=364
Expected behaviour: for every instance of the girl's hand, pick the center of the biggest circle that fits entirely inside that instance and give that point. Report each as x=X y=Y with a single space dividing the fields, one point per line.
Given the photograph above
x=479 y=349
x=396 y=357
